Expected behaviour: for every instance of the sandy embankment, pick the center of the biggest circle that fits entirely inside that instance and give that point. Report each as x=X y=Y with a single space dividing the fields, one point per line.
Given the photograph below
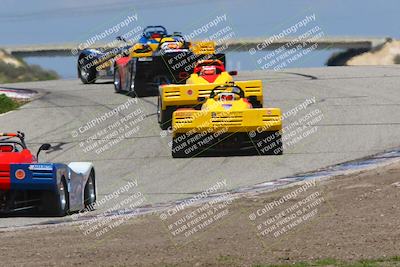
x=385 y=55
x=8 y=59
x=358 y=218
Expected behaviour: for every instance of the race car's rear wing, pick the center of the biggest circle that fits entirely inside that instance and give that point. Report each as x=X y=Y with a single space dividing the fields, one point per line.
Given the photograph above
x=188 y=95
x=23 y=176
x=260 y=120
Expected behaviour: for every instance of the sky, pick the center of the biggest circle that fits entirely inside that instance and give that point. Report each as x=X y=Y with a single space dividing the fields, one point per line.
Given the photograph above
x=49 y=21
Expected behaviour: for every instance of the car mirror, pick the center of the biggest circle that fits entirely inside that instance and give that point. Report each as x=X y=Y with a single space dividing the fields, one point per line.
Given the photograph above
x=43 y=147
x=233 y=73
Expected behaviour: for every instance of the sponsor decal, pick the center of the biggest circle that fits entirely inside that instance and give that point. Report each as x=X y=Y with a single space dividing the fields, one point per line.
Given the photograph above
x=40 y=167
x=145 y=59
x=20 y=174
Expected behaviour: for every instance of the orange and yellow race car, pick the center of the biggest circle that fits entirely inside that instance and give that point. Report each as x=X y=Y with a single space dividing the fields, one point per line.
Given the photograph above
x=227 y=124
x=169 y=59
x=206 y=75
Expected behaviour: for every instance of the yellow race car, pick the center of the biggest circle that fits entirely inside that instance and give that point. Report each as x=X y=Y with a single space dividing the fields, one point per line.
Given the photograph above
x=207 y=75
x=227 y=124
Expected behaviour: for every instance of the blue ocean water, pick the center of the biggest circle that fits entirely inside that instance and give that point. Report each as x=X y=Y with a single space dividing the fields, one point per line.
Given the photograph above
x=52 y=22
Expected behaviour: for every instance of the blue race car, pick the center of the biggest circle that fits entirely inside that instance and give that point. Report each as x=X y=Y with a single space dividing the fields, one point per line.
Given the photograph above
x=50 y=188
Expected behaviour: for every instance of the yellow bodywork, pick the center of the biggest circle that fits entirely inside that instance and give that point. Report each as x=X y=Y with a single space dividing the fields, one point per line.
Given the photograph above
x=198 y=48
x=226 y=116
x=188 y=94
x=203 y=48
x=222 y=78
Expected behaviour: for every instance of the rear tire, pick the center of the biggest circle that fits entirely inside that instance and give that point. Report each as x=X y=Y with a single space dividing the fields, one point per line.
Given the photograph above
x=134 y=91
x=256 y=104
x=90 y=192
x=164 y=116
x=135 y=87
x=87 y=73
x=56 y=203
x=117 y=80
x=161 y=80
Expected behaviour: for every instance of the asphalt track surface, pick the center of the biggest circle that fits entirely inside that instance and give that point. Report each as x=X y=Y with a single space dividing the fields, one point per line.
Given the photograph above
x=361 y=116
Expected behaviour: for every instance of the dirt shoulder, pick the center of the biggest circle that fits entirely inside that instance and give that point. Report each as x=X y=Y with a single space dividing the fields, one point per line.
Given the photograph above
x=347 y=218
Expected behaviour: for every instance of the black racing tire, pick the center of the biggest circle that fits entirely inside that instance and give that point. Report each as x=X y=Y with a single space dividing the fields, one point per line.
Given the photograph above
x=177 y=151
x=164 y=116
x=87 y=74
x=134 y=89
x=90 y=192
x=161 y=80
x=56 y=203
x=117 y=80
x=135 y=86
x=256 y=104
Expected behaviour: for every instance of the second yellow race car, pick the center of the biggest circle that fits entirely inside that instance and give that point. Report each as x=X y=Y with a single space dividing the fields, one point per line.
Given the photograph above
x=206 y=75
x=227 y=124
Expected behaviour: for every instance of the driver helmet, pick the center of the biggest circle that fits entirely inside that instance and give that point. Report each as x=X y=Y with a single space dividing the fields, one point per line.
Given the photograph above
x=155 y=35
x=226 y=96
x=170 y=45
x=208 y=70
x=7 y=148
